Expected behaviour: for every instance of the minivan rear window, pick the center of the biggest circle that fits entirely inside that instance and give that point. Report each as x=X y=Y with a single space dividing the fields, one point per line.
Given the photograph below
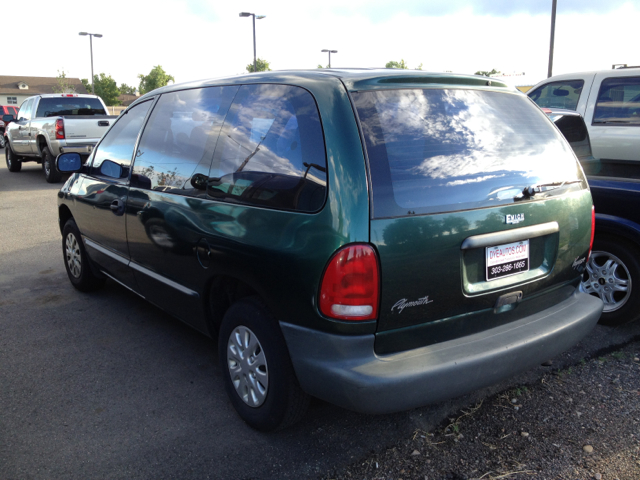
x=59 y=106
x=441 y=150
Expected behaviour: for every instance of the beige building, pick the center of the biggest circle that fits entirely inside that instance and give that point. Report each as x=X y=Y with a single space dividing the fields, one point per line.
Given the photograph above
x=15 y=89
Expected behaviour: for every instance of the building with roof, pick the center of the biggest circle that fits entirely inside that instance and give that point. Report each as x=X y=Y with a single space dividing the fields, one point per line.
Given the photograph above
x=15 y=89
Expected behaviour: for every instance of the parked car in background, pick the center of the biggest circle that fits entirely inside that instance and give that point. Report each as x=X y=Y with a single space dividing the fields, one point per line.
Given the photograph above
x=367 y=237
x=612 y=272
x=609 y=101
x=48 y=125
x=6 y=110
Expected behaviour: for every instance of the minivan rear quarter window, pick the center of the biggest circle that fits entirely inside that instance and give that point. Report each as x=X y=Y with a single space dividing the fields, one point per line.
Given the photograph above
x=440 y=150
x=271 y=150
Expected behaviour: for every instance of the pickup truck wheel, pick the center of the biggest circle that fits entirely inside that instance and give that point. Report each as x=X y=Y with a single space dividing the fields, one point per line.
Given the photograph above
x=76 y=261
x=257 y=370
x=2 y=141
x=613 y=274
x=13 y=164
x=51 y=173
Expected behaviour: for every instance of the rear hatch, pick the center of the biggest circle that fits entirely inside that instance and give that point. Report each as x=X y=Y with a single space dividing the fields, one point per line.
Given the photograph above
x=480 y=211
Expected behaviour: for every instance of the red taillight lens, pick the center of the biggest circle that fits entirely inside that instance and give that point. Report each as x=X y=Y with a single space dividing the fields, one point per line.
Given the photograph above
x=593 y=230
x=350 y=285
x=59 y=129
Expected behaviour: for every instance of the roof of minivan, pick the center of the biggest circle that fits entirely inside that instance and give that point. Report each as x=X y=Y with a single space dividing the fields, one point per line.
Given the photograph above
x=353 y=79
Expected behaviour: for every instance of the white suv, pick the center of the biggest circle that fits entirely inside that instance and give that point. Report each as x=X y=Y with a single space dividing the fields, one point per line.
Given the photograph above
x=609 y=101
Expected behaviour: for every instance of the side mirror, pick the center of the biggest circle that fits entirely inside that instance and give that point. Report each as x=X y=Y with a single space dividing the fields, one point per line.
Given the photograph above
x=69 y=162
x=199 y=181
x=8 y=118
x=111 y=169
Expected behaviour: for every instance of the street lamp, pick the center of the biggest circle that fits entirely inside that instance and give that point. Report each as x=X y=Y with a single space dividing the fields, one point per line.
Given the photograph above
x=91 y=35
x=553 y=33
x=330 y=52
x=259 y=17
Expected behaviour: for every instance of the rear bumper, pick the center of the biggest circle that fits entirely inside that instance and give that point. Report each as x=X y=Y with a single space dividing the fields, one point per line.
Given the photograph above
x=81 y=149
x=345 y=370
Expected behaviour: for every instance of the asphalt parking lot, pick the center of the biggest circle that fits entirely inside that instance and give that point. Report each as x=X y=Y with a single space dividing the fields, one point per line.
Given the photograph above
x=104 y=385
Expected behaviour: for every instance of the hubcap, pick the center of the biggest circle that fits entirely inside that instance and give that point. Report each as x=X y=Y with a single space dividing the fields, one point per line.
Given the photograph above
x=247 y=366
x=607 y=277
x=72 y=254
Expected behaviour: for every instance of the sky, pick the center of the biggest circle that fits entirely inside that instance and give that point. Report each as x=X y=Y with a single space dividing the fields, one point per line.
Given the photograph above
x=199 y=39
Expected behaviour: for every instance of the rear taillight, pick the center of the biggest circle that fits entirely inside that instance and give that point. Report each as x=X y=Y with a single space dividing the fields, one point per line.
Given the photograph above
x=350 y=285
x=593 y=230
x=59 y=129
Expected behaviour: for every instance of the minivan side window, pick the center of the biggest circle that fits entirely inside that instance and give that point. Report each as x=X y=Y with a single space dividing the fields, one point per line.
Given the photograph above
x=271 y=151
x=563 y=94
x=179 y=139
x=117 y=146
x=618 y=102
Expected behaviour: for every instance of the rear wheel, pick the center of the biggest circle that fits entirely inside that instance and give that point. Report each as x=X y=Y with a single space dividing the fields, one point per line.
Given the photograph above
x=2 y=141
x=51 y=173
x=76 y=261
x=13 y=163
x=257 y=370
x=613 y=274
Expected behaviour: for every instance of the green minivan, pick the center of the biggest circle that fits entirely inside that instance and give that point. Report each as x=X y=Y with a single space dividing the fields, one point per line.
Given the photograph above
x=378 y=239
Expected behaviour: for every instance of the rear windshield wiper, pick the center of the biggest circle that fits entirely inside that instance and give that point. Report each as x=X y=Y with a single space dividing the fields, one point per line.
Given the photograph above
x=530 y=191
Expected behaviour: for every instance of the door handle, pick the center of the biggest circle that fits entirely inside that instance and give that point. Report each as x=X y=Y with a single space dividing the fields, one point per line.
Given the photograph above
x=117 y=207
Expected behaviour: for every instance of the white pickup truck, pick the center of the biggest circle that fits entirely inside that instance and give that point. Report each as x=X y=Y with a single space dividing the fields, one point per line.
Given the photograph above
x=51 y=124
x=609 y=101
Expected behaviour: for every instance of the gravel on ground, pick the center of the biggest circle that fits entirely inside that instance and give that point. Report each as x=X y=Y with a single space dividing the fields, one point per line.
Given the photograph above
x=581 y=422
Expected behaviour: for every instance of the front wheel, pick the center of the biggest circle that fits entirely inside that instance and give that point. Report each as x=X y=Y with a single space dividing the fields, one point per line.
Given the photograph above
x=2 y=141
x=51 y=173
x=613 y=274
x=13 y=164
x=257 y=370
x=76 y=261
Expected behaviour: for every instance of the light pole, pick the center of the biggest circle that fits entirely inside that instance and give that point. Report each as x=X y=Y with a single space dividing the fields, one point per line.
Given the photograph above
x=553 y=33
x=259 y=17
x=330 y=52
x=91 y=35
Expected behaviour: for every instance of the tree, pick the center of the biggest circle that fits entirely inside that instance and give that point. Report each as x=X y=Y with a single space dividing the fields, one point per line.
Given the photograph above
x=127 y=90
x=86 y=84
x=320 y=66
x=157 y=78
x=107 y=89
x=401 y=64
x=419 y=67
x=487 y=74
x=262 y=66
x=62 y=84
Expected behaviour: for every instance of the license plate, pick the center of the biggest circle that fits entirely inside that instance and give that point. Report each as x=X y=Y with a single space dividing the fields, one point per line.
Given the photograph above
x=508 y=259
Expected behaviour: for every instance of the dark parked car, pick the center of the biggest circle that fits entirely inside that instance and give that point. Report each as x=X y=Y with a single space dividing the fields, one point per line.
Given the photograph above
x=612 y=271
x=6 y=110
x=374 y=238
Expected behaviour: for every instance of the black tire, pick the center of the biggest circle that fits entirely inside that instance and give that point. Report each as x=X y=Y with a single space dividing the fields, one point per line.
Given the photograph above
x=281 y=402
x=2 y=140
x=51 y=173
x=76 y=261
x=13 y=162
x=613 y=274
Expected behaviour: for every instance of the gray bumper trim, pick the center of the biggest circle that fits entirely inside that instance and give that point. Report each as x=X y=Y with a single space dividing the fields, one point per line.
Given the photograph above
x=345 y=370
